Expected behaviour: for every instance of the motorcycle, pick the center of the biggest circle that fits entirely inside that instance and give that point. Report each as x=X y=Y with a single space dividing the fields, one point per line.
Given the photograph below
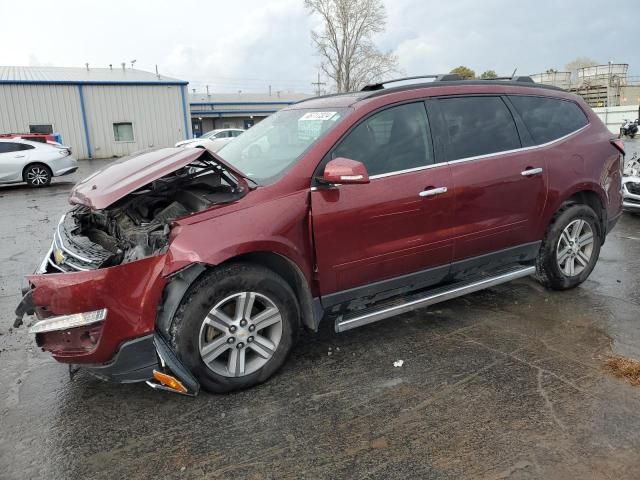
x=628 y=128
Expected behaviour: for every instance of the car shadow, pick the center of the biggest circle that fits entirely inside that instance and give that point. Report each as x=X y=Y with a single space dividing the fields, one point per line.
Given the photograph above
x=56 y=185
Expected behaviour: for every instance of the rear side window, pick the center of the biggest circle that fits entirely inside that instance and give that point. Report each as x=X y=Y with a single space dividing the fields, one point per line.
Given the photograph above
x=548 y=119
x=8 y=147
x=478 y=126
x=392 y=140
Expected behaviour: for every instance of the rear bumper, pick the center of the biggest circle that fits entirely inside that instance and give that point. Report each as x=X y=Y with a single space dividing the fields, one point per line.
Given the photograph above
x=66 y=171
x=63 y=166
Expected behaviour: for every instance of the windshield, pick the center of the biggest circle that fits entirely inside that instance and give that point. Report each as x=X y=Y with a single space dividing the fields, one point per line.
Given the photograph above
x=270 y=147
x=210 y=134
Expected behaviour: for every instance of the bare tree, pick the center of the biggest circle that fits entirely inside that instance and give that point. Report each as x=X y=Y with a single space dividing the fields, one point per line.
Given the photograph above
x=345 y=44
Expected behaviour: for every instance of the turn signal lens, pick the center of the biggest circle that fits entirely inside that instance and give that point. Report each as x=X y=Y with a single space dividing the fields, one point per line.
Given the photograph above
x=169 y=381
x=65 y=322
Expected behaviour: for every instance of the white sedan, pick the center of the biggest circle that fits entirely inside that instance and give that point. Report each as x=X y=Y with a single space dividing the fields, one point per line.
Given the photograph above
x=212 y=140
x=34 y=162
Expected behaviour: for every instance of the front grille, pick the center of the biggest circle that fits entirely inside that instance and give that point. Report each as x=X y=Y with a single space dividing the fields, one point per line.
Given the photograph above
x=633 y=188
x=71 y=252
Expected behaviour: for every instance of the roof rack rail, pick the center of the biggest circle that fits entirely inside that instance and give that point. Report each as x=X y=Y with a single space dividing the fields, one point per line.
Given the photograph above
x=519 y=78
x=443 y=77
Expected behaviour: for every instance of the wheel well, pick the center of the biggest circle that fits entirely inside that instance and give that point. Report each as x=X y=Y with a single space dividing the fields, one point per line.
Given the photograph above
x=310 y=308
x=181 y=282
x=24 y=170
x=592 y=199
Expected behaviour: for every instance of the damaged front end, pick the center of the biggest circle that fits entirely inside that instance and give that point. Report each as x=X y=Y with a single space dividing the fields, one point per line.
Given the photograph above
x=97 y=291
x=138 y=225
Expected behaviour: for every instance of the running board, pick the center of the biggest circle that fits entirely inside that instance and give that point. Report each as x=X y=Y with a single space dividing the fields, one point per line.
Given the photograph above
x=410 y=302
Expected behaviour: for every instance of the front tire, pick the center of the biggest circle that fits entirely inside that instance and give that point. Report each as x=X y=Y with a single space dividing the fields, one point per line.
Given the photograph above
x=37 y=175
x=235 y=327
x=570 y=249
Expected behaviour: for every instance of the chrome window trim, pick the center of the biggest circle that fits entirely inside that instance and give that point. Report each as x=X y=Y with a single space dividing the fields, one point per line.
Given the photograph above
x=408 y=170
x=479 y=157
x=516 y=150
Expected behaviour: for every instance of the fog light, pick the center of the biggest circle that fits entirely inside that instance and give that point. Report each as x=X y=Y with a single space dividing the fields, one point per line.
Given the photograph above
x=65 y=322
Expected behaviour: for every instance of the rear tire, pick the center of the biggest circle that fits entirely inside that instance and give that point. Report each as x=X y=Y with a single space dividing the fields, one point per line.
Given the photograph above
x=235 y=327
x=570 y=249
x=37 y=175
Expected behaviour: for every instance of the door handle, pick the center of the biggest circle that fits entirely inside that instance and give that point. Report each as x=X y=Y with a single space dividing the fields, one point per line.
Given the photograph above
x=20 y=156
x=433 y=191
x=531 y=171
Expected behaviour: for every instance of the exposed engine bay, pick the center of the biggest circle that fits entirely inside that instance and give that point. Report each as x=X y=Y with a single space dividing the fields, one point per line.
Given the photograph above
x=138 y=225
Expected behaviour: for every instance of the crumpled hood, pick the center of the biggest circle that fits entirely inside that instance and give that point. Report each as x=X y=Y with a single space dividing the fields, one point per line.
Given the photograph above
x=126 y=175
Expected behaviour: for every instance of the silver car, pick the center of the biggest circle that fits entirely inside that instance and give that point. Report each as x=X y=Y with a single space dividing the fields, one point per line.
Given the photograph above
x=219 y=136
x=34 y=162
x=631 y=184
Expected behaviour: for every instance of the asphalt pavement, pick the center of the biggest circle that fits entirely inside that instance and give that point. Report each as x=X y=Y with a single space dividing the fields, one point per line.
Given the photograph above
x=504 y=383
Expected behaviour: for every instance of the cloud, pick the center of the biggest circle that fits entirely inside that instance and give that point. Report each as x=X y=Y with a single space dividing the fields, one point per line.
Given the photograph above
x=251 y=44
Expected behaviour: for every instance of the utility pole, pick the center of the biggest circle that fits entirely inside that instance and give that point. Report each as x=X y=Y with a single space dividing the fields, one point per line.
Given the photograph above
x=318 y=84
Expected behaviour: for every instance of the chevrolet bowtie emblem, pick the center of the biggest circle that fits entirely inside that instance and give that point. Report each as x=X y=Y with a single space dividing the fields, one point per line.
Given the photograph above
x=58 y=256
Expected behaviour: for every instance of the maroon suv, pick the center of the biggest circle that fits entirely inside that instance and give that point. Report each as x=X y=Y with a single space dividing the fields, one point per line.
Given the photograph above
x=182 y=267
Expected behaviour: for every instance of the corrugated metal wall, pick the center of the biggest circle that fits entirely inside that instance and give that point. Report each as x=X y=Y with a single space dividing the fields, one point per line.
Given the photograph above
x=156 y=112
x=58 y=105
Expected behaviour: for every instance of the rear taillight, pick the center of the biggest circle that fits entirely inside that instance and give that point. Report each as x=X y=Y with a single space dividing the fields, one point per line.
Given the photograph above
x=619 y=144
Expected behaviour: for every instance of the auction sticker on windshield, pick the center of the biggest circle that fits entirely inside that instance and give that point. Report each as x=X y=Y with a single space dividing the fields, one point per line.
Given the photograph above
x=310 y=124
x=318 y=116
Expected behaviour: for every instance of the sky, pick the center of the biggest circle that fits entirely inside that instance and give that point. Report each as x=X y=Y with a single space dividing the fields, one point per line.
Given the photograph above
x=247 y=45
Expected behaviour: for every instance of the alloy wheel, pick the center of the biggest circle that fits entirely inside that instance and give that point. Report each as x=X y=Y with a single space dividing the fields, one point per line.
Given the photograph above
x=240 y=334
x=37 y=176
x=575 y=248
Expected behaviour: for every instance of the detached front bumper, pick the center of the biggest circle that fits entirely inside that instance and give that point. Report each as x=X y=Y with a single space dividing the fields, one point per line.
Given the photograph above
x=130 y=293
x=104 y=322
x=148 y=359
x=631 y=194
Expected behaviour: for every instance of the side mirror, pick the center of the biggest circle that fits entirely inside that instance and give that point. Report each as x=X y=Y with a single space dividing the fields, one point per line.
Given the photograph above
x=345 y=171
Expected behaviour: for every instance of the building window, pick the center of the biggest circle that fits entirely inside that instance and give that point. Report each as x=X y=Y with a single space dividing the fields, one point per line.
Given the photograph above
x=44 y=129
x=123 y=132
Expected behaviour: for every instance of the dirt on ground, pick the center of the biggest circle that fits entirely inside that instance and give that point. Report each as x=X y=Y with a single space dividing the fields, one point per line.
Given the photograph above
x=626 y=368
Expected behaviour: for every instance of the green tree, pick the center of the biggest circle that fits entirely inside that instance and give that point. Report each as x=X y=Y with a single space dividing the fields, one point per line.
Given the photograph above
x=488 y=75
x=465 y=72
